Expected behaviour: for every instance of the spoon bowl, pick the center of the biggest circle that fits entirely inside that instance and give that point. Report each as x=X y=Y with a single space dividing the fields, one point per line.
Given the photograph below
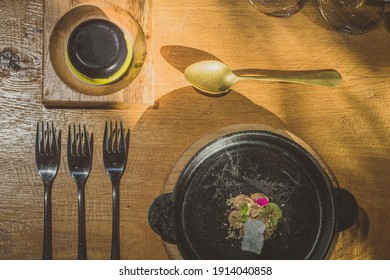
x=214 y=77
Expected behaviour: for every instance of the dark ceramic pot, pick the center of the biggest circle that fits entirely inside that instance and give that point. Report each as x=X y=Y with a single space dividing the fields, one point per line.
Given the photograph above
x=314 y=208
x=98 y=52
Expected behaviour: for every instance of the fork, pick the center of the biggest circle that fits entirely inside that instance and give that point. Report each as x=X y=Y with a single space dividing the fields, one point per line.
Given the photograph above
x=47 y=159
x=115 y=151
x=80 y=150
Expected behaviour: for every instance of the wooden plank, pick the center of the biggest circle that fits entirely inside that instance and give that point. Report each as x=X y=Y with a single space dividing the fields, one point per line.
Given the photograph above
x=62 y=88
x=349 y=126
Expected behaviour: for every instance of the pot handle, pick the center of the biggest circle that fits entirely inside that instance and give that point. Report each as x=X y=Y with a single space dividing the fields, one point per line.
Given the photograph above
x=346 y=209
x=161 y=217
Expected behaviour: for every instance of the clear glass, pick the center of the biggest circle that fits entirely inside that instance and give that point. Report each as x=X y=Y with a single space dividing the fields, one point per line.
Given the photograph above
x=278 y=8
x=352 y=16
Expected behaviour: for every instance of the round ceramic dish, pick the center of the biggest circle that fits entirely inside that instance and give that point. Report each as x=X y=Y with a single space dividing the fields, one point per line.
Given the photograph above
x=76 y=72
x=194 y=215
x=98 y=52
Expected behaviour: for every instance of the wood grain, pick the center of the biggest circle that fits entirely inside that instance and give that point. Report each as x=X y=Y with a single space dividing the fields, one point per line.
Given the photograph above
x=348 y=126
x=62 y=88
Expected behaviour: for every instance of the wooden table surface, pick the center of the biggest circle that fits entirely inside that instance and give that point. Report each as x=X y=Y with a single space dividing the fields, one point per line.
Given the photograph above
x=348 y=126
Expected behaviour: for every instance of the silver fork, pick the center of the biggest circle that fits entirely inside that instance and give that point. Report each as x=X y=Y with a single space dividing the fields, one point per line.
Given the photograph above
x=115 y=151
x=80 y=150
x=47 y=159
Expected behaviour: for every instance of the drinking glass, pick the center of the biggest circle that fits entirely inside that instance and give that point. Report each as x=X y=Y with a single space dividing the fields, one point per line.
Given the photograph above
x=278 y=8
x=352 y=16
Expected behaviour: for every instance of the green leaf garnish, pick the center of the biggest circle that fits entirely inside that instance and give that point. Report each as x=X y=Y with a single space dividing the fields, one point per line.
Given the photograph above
x=244 y=212
x=272 y=211
x=266 y=211
x=244 y=209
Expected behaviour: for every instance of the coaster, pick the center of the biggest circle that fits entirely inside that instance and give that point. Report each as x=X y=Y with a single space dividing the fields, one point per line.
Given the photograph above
x=62 y=87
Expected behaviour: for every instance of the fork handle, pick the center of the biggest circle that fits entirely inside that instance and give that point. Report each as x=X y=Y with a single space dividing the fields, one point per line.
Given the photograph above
x=47 y=228
x=82 y=239
x=115 y=245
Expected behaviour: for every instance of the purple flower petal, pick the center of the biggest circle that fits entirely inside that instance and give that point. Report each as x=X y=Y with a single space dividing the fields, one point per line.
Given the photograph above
x=262 y=201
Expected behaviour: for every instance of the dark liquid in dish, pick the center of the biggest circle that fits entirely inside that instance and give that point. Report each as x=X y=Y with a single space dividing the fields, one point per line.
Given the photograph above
x=97 y=48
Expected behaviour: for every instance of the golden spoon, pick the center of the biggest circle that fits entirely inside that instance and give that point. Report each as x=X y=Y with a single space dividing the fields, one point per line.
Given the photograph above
x=214 y=77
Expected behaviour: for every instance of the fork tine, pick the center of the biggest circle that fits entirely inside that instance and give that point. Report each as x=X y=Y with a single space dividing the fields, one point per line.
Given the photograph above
x=110 y=140
x=80 y=145
x=47 y=139
x=86 y=148
x=58 y=143
x=127 y=139
x=105 y=138
x=50 y=138
x=43 y=145
x=54 y=148
x=90 y=146
x=115 y=145
x=70 y=150
x=122 y=141
x=74 y=143
x=37 y=141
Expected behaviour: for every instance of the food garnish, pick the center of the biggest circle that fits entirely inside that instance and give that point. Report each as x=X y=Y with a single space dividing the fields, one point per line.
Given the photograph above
x=255 y=218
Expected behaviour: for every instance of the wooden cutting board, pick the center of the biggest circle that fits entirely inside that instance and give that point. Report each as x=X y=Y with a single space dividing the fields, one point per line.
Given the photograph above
x=57 y=93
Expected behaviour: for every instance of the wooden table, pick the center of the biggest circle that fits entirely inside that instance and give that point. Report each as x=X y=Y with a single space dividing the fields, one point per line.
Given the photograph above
x=349 y=126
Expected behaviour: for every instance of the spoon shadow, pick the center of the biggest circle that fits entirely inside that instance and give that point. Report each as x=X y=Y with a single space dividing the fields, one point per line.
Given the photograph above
x=180 y=57
x=213 y=95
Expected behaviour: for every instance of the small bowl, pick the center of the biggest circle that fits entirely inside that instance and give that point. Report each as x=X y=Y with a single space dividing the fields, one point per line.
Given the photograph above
x=98 y=52
x=75 y=66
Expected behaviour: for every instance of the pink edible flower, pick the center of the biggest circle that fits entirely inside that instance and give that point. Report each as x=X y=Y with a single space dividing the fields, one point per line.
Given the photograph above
x=262 y=201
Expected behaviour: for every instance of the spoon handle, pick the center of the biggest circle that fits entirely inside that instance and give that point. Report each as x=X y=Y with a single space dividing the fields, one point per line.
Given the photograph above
x=328 y=78
x=377 y=2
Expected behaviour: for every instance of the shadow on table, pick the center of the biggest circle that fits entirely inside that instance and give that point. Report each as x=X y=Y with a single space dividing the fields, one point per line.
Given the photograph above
x=386 y=21
x=180 y=57
x=193 y=114
x=184 y=116
x=161 y=136
x=352 y=242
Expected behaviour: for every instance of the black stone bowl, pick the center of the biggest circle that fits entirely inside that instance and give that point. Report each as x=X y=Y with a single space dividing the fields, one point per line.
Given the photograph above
x=194 y=216
x=98 y=52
